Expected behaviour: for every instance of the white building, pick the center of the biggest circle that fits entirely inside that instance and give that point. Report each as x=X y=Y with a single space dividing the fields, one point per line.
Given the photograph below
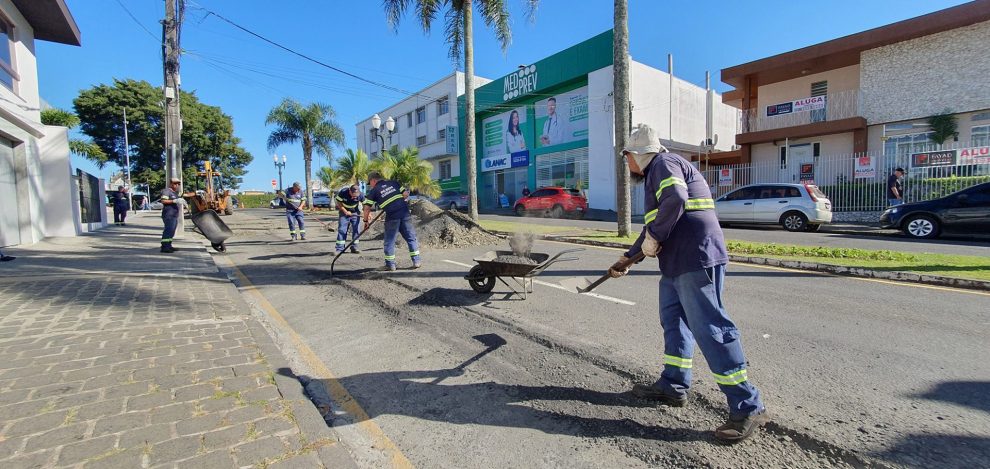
x=423 y=120
x=39 y=195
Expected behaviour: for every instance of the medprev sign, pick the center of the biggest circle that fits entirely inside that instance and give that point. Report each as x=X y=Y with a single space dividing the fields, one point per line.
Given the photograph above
x=933 y=158
x=562 y=118
x=799 y=105
x=519 y=83
x=866 y=167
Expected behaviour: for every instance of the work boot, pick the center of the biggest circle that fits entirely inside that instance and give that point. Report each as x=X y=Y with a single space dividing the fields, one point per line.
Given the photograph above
x=388 y=268
x=740 y=427
x=167 y=248
x=653 y=393
x=302 y=238
x=417 y=264
x=355 y=250
x=7 y=258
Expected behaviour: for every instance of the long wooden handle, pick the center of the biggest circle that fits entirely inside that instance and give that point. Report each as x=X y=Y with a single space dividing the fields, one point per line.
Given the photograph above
x=624 y=265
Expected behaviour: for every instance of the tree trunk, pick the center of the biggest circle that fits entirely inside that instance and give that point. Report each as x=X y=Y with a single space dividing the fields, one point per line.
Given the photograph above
x=469 y=143
x=308 y=166
x=620 y=79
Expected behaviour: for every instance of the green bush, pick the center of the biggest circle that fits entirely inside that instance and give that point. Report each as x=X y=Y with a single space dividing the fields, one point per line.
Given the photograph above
x=738 y=247
x=254 y=200
x=932 y=188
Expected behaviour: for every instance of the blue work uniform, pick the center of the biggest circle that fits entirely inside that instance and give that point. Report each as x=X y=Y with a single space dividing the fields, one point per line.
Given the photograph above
x=294 y=200
x=120 y=206
x=389 y=197
x=345 y=223
x=170 y=217
x=680 y=215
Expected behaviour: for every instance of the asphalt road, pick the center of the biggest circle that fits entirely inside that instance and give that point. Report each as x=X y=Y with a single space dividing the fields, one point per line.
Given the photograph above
x=871 y=239
x=855 y=372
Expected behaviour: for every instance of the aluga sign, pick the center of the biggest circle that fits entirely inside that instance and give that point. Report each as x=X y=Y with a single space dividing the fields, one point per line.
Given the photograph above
x=519 y=83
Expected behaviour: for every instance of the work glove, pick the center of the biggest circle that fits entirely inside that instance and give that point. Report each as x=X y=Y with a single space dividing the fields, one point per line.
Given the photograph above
x=619 y=268
x=651 y=247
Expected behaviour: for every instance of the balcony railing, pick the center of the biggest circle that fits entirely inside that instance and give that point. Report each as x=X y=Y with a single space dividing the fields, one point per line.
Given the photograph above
x=841 y=105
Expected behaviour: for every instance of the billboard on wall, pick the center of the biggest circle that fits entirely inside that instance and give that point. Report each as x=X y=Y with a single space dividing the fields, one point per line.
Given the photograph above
x=866 y=167
x=804 y=104
x=505 y=133
x=562 y=118
x=933 y=158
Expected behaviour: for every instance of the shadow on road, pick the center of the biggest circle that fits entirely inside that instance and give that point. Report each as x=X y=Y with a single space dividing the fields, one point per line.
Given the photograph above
x=971 y=394
x=963 y=451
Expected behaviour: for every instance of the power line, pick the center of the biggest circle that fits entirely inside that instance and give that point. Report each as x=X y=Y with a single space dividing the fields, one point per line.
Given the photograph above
x=306 y=57
x=156 y=38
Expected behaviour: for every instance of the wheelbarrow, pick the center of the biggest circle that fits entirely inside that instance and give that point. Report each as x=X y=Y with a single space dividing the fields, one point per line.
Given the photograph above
x=209 y=224
x=482 y=276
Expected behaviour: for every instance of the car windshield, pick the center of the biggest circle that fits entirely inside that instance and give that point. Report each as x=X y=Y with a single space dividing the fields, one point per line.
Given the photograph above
x=573 y=192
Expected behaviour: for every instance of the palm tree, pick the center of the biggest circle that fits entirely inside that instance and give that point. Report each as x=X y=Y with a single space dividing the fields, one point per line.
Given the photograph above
x=620 y=71
x=460 y=35
x=351 y=169
x=405 y=167
x=313 y=125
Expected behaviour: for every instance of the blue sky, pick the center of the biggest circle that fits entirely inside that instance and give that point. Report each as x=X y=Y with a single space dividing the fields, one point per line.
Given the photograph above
x=246 y=77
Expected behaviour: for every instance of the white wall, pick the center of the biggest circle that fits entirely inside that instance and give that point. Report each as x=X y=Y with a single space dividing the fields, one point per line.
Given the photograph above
x=56 y=200
x=25 y=93
x=923 y=76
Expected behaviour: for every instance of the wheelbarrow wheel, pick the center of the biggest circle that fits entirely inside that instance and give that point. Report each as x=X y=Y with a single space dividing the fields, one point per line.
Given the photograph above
x=480 y=281
x=219 y=247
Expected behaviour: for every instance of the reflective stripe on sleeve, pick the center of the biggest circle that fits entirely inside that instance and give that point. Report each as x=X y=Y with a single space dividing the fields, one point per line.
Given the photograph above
x=650 y=216
x=390 y=200
x=671 y=181
x=699 y=204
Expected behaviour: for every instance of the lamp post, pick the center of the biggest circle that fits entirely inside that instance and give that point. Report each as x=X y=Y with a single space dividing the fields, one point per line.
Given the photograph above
x=376 y=123
x=280 y=167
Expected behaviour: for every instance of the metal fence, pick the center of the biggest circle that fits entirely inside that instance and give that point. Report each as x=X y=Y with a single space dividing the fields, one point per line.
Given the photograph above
x=858 y=182
x=91 y=206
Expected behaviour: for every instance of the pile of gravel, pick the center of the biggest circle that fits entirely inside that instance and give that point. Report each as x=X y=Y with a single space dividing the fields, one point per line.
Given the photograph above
x=439 y=228
x=511 y=259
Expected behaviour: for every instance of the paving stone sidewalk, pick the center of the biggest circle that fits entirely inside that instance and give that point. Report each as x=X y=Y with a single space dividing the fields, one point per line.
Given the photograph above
x=113 y=355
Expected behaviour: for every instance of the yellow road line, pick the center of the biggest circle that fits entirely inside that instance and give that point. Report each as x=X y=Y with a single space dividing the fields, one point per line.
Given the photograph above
x=337 y=390
x=828 y=274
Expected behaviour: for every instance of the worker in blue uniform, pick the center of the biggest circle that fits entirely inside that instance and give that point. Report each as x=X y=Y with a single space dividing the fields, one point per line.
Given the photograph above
x=172 y=203
x=682 y=230
x=391 y=197
x=295 y=203
x=120 y=205
x=349 y=201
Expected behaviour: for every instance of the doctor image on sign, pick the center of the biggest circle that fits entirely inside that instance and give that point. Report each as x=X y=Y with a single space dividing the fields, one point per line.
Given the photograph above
x=553 y=128
x=514 y=140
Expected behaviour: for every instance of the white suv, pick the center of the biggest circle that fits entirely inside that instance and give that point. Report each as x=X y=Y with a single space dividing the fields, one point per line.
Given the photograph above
x=796 y=207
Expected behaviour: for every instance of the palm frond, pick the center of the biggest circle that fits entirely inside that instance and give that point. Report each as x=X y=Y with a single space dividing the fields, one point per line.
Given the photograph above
x=282 y=136
x=394 y=9
x=495 y=13
x=59 y=117
x=426 y=11
x=90 y=151
x=454 y=30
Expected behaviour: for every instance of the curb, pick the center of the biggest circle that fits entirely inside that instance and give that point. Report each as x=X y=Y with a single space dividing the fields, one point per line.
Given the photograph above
x=898 y=276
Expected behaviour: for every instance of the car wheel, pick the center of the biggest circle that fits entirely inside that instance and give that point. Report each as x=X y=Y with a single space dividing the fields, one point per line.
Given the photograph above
x=922 y=227
x=794 y=221
x=557 y=211
x=520 y=210
x=813 y=227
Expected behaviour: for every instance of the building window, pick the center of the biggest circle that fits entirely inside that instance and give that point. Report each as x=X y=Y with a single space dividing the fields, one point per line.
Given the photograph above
x=7 y=73
x=441 y=135
x=983 y=116
x=445 y=170
x=421 y=140
x=819 y=88
x=816 y=150
x=409 y=120
x=906 y=144
x=443 y=106
x=783 y=157
x=420 y=115
x=981 y=136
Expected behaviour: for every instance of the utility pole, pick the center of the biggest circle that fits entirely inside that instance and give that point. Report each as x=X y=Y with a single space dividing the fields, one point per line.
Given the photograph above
x=127 y=161
x=620 y=81
x=173 y=121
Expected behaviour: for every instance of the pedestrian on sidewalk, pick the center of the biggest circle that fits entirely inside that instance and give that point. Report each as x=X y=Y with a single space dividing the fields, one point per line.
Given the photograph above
x=349 y=200
x=295 y=203
x=172 y=204
x=681 y=229
x=391 y=197
x=145 y=206
x=120 y=205
x=895 y=189
x=6 y=258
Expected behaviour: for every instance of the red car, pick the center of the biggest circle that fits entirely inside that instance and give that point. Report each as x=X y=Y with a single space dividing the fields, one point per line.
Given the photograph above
x=555 y=201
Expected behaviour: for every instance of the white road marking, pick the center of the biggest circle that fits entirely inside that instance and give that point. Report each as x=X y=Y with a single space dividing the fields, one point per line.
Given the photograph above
x=560 y=287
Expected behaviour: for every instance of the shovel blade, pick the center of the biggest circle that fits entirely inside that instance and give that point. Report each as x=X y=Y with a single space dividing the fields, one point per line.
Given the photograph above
x=579 y=284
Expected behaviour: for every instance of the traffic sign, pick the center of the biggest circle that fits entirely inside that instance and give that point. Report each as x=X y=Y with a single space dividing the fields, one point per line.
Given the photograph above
x=273 y=183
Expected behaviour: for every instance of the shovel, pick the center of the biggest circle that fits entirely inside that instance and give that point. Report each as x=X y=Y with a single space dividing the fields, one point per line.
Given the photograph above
x=492 y=341
x=584 y=286
x=354 y=240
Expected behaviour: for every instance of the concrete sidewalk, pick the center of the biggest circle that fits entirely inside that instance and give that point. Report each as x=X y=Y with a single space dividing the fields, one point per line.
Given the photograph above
x=114 y=355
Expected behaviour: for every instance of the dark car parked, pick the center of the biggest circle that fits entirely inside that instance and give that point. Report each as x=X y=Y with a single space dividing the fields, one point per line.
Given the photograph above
x=965 y=212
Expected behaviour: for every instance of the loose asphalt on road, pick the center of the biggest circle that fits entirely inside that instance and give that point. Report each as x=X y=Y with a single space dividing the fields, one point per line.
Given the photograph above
x=856 y=372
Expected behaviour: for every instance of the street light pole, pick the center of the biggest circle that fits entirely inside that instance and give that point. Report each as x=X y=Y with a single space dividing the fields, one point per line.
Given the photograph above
x=376 y=123
x=280 y=167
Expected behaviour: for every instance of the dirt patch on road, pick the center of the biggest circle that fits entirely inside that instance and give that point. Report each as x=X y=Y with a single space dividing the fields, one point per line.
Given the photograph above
x=439 y=228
